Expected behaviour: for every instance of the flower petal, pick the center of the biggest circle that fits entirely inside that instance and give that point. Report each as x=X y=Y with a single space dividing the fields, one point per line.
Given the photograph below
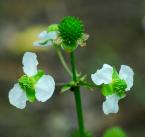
x=52 y=35
x=30 y=63
x=44 y=88
x=45 y=38
x=43 y=35
x=17 y=97
x=111 y=104
x=126 y=73
x=103 y=75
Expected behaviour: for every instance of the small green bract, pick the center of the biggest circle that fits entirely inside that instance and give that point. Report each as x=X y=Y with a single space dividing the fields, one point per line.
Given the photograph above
x=71 y=29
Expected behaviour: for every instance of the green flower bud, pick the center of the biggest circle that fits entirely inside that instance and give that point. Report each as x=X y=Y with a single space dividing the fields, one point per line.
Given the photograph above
x=53 y=27
x=71 y=29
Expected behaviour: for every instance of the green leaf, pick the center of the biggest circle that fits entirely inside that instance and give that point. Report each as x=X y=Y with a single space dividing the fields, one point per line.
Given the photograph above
x=115 y=132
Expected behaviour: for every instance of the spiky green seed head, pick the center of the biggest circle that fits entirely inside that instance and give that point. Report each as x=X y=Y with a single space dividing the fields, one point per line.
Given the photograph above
x=71 y=29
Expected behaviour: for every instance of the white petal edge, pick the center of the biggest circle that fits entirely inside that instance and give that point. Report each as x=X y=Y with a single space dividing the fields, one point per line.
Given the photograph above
x=43 y=35
x=30 y=63
x=44 y=88
x=126 y=73
x=17 y=97
x=110 y=105
x=52 y=35
x=103 y=75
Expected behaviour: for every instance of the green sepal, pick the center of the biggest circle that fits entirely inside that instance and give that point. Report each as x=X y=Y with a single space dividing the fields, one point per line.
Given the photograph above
x=39 y=74
x=107 y=90
x=115 y=74
x=69 y=48
x=30 y=94
x=121 y=94
x=53 y=27
x=28 y=83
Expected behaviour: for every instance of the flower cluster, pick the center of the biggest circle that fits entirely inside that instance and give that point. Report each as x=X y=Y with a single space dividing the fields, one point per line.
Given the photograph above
x=68 y=34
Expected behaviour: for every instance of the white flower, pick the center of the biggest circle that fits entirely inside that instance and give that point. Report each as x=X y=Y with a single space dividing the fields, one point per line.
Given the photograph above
x=46 y=38
x=104 y=76
x=43 y=86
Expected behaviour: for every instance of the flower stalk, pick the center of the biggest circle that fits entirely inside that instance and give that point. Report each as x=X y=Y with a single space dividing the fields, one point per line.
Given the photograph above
x=62 y=60
x=77 y=96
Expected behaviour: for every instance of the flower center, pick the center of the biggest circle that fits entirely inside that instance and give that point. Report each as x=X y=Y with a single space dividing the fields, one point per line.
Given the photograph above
x=28 y=83
x=119 y=86
x=71 y=29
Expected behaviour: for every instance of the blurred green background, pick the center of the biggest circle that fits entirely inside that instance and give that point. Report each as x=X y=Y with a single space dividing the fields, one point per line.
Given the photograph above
x=117 y=36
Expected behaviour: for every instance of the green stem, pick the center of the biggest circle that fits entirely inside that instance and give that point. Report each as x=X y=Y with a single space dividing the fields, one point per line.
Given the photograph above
x=63 y=61
x=77 y=96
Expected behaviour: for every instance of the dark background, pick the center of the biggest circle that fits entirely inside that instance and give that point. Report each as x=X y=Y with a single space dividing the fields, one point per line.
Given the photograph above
x=117 y=36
